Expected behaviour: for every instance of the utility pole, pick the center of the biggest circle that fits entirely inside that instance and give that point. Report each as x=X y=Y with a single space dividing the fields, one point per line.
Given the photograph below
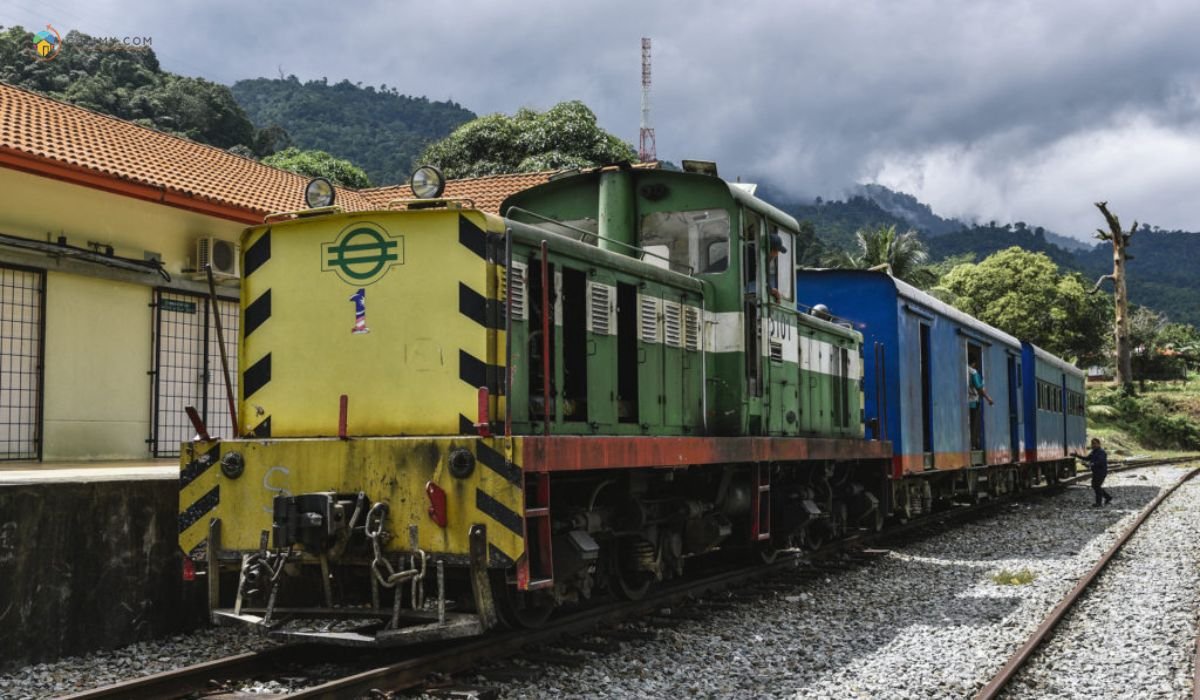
x=646 y=148
x=1120 y=241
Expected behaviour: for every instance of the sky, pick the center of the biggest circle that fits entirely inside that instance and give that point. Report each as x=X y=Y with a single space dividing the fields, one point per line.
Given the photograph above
x=1007 y=111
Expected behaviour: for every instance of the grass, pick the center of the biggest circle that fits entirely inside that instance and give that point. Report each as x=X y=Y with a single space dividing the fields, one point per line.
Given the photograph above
x=1161 y=419
x=1004 y=577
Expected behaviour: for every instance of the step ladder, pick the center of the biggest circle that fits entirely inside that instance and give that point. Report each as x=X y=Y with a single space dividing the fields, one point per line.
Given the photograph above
x=760 y=504
x=537 y=570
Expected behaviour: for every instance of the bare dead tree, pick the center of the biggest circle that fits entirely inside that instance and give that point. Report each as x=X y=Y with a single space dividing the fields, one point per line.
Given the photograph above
x=1120 y=241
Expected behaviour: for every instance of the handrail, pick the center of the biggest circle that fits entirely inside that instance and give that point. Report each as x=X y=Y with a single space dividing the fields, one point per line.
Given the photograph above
x=448 y=201
x=331 y=209
x=585 y=232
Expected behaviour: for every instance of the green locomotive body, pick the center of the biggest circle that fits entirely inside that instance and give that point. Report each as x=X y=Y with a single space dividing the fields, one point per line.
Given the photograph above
x=688 y=341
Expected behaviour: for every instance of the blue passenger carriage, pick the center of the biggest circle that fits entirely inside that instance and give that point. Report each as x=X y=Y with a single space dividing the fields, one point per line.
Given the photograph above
x=917 y=350
x=1054 y=401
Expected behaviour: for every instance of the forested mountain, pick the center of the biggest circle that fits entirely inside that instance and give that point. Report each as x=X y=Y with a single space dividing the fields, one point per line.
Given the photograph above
x=1159 y=276
x=983 y=240
x=1161 y=271
x=377 y=129
x=837 y=221
x=128 y=83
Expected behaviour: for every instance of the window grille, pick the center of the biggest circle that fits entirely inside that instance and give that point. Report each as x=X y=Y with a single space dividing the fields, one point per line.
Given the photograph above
x=187 y=368
x=22 y=327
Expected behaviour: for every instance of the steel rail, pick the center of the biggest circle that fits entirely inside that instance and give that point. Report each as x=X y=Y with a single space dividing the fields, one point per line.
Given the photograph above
x=1043 y=631
x=180 y=682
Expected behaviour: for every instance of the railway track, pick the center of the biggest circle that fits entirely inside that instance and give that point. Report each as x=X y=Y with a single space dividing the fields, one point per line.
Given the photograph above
x=379 y=670
x=1026 y=651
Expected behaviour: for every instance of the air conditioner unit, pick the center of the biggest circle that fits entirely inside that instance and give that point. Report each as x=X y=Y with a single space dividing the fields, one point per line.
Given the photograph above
x=225 y=257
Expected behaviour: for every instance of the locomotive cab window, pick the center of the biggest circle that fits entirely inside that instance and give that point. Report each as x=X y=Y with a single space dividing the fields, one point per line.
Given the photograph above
x=780 y=267
x=687 y=241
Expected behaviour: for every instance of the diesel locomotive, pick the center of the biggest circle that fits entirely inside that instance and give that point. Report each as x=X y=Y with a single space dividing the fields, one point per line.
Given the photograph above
x=449 y=420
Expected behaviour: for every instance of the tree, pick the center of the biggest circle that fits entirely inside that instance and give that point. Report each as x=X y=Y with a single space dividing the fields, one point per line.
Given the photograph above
x=319 y=164
x=902 y=255
x=564 y=136
x=1120 y=241
x=1183 y=341
x=1025 y=295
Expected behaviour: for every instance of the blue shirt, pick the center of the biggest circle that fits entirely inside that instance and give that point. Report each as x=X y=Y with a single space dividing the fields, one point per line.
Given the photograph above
x=1098 y=459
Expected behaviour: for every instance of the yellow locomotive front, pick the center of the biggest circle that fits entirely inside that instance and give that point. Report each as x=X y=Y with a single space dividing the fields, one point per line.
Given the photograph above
x=368 y=344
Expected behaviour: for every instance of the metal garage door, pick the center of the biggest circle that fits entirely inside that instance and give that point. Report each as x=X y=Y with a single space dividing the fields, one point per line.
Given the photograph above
x=187 y=367
x=22 y=325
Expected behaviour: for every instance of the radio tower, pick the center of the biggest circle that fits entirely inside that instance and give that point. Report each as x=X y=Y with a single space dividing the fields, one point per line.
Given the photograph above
x=646 y=151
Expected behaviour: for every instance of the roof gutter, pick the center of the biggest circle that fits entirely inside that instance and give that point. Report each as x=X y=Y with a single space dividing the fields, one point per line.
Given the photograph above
x=19 y=160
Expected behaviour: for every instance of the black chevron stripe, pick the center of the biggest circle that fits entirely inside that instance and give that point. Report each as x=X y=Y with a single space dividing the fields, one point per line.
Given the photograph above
x=257 y=254
x=496 y=462
x=499 y=512
x=256 y=376
x=258 y=312
x=200 y=508
x=193 y=469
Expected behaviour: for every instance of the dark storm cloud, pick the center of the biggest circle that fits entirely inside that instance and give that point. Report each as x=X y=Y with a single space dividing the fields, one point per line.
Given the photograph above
x=1005 y=110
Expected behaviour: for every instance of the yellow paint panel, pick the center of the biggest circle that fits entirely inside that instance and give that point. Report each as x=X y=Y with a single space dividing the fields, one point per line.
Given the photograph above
x=402 y=371
x=393 y=470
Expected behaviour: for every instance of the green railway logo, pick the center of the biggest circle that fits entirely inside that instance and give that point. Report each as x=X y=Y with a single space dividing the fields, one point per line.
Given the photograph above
x=362 y=254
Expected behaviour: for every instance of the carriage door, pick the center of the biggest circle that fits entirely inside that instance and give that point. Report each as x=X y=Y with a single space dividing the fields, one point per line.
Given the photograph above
x=926 y=397
x=1014 y=416
x=782 y=406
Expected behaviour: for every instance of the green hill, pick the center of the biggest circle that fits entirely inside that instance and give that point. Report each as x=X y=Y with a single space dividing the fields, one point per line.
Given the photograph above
x=108 y=77
x=377 y=129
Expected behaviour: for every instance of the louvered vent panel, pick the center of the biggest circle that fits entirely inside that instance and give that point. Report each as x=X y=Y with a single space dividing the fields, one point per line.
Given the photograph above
x=672 y=324
x=691 y=328
x=648 y=320
x=600 y=308
x=776 y=351
x=519 y=293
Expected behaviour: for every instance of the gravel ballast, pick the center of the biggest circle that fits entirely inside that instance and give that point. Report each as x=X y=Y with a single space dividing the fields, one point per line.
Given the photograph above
x=1133 y=632
x=928 y=620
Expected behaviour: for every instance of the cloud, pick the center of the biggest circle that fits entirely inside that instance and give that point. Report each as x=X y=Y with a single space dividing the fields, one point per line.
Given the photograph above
x=1008 y=109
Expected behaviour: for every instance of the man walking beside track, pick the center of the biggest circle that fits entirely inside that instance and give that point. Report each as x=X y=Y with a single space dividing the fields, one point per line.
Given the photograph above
x=1097 y=459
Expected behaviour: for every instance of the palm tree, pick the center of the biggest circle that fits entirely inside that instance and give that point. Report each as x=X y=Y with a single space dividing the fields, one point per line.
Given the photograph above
x=901 y=255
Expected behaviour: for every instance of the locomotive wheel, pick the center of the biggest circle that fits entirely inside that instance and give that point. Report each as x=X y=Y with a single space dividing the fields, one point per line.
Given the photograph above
x=632 y=585
x=628 y=583
x=520 y=609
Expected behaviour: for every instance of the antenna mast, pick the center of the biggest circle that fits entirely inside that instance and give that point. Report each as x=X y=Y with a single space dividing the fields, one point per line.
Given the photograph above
x=646 y=150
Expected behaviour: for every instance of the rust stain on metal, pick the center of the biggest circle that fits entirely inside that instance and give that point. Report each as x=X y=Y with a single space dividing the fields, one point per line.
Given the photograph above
x=570 y=453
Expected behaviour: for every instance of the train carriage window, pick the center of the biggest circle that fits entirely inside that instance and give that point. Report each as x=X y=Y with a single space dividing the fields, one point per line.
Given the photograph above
x=687 y=241
x=783 y=271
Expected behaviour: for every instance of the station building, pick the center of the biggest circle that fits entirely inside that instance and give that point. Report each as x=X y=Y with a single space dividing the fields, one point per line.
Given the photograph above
x=106 y=330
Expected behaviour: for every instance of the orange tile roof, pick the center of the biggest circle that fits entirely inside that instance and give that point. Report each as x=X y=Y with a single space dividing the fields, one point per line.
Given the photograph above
x=485 y=192
x=72 y=143
x=55 y=139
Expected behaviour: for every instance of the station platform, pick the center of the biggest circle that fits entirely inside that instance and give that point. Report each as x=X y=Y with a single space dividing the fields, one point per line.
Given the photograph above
x=12 y=473
x=89 y=557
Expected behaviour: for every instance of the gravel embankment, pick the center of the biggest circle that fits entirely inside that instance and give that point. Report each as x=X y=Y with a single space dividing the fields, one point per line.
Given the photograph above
x=1133 y=632
x=927 y=621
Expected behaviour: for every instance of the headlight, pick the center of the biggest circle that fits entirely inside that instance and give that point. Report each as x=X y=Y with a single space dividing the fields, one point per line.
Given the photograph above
x=319 y=193
x=427 y=183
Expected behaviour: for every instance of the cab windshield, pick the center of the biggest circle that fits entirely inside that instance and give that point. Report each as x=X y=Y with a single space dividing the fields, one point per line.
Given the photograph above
x=691 y=242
